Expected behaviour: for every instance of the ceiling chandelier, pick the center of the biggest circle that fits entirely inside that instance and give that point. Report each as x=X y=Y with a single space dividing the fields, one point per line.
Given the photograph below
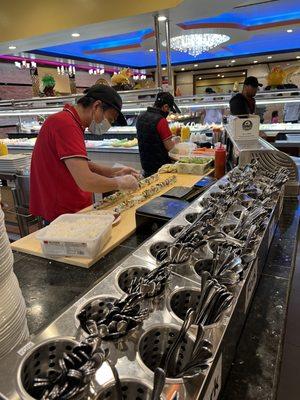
x=197 y=43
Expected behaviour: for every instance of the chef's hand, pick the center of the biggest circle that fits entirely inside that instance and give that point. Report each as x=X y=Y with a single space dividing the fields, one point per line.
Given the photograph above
x=127 y=171
x=127 y=182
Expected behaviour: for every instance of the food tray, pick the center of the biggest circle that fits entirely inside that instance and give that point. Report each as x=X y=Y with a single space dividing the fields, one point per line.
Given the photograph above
x=193 y=168
x=74 y=246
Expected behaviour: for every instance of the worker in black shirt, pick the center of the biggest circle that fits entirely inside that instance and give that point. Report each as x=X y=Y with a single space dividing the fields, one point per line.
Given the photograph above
x=244 y=103
x=154 y=135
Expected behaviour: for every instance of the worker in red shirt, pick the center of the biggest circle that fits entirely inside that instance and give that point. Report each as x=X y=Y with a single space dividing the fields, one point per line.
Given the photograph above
x=62 y=179
x=154 y=135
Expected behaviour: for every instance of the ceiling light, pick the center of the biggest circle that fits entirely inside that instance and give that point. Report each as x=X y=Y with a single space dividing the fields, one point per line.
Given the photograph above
x=195 y=65
x=182 y=69
x=75 y=34
x=298 y=57
x=222 y=76
x=219 y=75
x=151 y=49
x=164 y=69
x=233 y=61
x=244 y=73
x=217 y=66
x=161 y=18
x=197 y=43
x=200 y=78
x=12 y=47
x=289 y=30
x=269 y=57
x=255 y=61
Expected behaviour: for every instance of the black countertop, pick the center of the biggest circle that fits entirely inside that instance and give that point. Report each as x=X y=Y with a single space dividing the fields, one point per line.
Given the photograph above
x=49 y=287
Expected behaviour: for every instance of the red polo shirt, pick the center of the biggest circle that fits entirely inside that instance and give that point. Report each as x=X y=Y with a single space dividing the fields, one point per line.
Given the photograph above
x=53 y=190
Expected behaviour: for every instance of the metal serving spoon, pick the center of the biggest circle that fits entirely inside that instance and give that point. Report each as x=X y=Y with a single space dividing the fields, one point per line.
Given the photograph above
x=118 y=385
x=188 y=321
x=158 y=383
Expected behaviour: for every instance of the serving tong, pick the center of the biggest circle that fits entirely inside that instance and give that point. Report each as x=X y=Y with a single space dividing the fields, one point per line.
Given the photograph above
x=153 y=283
x=122 y=316
x=74 y=372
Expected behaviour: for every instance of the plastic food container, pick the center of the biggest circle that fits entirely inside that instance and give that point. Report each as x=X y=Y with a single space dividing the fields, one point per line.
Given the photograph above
x=181 y=150
x=77 y=235
x=193 y=168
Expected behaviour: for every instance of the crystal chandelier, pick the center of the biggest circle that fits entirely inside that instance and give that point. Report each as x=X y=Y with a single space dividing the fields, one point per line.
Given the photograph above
x=197 y=43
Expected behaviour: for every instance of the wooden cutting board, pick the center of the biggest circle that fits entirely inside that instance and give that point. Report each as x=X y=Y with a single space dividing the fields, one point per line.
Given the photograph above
x=126 y=227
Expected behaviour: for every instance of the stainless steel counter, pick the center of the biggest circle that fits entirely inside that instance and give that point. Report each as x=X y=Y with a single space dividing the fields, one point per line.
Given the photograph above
x=130 y=355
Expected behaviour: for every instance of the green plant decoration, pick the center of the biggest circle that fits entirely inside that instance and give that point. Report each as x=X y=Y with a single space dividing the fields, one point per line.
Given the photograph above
x=48 y=81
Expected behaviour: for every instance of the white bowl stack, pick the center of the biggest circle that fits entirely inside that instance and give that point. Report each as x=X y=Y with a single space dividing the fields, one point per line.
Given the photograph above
x=13 y=323
x=14 y=162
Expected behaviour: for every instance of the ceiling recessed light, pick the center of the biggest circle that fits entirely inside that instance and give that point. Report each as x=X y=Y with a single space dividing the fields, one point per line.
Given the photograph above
x=12 y=47
x=151 y=49
x=233 y=61
x=219 y=75
x=161 y=18
x=75 y=34
x=255 y=61
x=195 y=65
x=269 y=57
x=182 y=69
x=222 y=76
x=200 y=77
x=244 y=73
x=217 y=66
x=298 y=57
x=289 y=30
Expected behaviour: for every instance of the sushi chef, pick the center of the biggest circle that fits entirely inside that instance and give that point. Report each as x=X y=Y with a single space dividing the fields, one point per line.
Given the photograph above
x=244 y=103
x=62 y=178
x=154 y=135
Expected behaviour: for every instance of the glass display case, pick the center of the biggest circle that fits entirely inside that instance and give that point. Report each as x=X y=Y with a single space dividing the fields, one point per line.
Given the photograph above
x=199 y=112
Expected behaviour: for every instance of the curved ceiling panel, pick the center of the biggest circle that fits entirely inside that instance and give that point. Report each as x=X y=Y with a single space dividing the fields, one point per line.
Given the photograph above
x=253 y=29
x=27 y=18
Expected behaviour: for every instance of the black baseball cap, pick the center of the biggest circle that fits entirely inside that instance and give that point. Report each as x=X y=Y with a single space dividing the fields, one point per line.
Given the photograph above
x=110 y=97
x=166 y=98
x=252 y=81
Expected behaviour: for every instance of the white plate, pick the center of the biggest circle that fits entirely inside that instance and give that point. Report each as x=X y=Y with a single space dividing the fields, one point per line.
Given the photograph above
x=13 y=325
x=6 y=270
x=10 y=312
x=15 y=321
x=16 y=338
x=9 y=289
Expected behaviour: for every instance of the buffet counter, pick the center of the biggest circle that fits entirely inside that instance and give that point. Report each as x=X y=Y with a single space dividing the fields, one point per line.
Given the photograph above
x=263 y=331
x=127 y=226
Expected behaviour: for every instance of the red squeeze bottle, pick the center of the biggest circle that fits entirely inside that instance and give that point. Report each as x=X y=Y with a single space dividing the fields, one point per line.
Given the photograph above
x=220 y=161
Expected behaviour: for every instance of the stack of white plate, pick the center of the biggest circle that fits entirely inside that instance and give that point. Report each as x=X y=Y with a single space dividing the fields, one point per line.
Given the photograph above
x=14 y=162
x=13 y=324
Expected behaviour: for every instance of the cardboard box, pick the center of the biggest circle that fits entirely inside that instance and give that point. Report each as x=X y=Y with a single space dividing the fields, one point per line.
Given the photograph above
x=243 y=128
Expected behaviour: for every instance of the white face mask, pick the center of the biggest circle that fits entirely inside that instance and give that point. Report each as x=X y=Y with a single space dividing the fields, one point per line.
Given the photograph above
x=99 y=128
